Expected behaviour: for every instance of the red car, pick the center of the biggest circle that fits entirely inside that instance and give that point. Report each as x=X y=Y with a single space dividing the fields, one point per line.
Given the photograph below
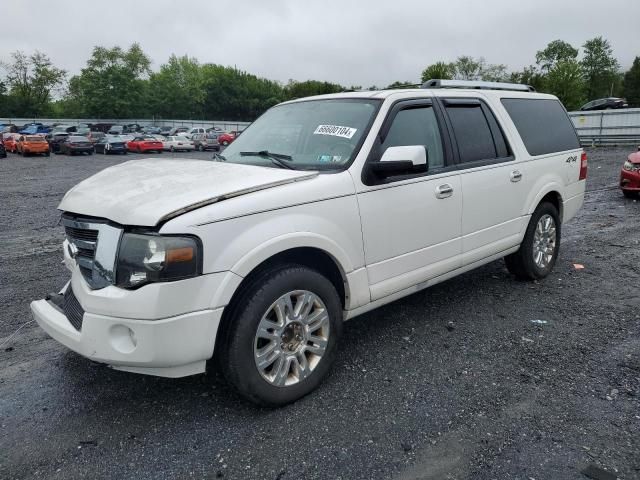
x=630 y=176
x=144 y=144
x=226 y=138
x=10 y=142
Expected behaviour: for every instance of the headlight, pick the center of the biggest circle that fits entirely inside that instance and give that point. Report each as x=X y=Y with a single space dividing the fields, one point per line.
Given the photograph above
x=155 y=258
x=631 y=167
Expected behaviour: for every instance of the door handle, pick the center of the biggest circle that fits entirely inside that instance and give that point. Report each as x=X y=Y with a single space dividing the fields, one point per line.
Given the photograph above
x=516 y=176
x=444 y=191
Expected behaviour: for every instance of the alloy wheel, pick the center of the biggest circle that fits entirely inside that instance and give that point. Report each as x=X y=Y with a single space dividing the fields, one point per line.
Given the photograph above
x=544 y=241
x=291 y=338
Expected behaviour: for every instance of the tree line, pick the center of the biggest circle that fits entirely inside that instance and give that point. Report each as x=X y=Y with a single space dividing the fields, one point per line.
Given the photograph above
x=120 y=83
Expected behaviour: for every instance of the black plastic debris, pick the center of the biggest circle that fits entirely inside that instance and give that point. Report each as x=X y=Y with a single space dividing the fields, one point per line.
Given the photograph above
x=597 y=473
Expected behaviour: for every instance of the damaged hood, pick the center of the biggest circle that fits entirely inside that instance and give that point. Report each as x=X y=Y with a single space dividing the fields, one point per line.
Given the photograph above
x=147 y=192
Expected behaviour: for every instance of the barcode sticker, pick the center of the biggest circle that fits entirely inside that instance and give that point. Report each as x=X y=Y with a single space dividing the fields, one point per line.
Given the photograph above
x=336 y=131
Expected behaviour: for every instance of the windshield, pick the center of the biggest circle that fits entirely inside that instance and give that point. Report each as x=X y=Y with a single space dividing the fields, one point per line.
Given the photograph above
x=315 y=134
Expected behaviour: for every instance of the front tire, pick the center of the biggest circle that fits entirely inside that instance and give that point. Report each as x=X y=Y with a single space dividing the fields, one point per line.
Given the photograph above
x=540 y=247
x=280 y=337
x=630 y=194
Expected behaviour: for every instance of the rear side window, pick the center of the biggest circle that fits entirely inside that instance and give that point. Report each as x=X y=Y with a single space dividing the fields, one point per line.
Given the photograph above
x=476 y=131
x=543 y=125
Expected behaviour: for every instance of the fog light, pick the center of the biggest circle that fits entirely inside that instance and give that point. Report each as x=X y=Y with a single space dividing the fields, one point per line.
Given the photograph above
x=123 y=339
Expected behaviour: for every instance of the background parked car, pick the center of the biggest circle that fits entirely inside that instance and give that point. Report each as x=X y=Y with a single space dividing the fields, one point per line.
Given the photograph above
x=605 y=104
x=10 y=141
x=119 y=130
x=146 y=143
x=55 y=139
x=101 y=127
x=64 y=128
x=206 y=141
x=176 y=144
x=226 y=138
x=35 y=129
x=9 y=128
x=110 y=144
x=74 y=144
x=630 y=176
x=94 y=136
x=178 y=131
x=32 y=145
x=194 y=131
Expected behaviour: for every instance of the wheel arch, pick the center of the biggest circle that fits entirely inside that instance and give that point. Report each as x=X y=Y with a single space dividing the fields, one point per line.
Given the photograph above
x=550 y=193
x=311 y=251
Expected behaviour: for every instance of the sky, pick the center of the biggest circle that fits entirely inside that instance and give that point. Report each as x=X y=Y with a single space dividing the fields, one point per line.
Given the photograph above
x=348 y=42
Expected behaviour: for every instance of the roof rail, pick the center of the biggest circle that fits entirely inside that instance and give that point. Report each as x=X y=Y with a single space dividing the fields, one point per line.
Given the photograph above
x=478 y=85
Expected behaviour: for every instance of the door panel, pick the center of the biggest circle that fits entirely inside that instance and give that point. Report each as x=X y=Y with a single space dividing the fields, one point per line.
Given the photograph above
x=492 y=207
x=409 y=234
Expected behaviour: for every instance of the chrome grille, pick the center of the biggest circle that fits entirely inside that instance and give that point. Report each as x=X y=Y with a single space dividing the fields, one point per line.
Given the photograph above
x=81 y=234
x=93 y=244
x=72 y=309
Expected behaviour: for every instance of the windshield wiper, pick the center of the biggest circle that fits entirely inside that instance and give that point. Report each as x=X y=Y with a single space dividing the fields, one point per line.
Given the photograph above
x=276 y=158
x=219 y=158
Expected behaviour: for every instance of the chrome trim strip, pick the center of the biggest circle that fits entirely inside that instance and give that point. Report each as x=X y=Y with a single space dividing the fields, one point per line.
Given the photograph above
x=83 y=243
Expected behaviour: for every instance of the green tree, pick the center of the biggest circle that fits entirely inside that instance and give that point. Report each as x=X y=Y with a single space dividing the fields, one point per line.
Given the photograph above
x=600 y=68
x=566 y=81
x=177 y=90
x=469 y=68
x=31 y=80
x=529 y=76
x=232 y=94
x=554 y=52
x=439 y=70
x=113 y=84
x=494 y=73
x=631 y=89
x=307 y=88
x=398 y=84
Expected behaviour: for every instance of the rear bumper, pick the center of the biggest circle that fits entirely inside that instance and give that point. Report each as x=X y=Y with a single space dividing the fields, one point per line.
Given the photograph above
x=571 y=206
x=172 y=347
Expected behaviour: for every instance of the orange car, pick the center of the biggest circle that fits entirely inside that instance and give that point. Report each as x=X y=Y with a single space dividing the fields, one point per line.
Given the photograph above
x=10 y=142
x=30 y=144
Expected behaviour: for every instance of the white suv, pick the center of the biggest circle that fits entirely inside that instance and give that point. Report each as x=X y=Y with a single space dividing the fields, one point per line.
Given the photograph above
x=323 y=209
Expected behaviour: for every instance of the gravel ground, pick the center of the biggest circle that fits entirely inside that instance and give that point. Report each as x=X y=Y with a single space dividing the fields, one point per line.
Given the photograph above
x=455 y=382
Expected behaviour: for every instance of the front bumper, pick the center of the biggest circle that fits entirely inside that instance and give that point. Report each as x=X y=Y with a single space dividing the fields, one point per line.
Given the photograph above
x=630 y=181
x=172 y=347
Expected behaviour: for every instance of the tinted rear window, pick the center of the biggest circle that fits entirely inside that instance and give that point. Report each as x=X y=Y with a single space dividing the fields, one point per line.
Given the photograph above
x=543 y=125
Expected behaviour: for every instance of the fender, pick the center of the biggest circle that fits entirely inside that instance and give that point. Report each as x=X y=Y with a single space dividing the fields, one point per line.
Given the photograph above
x=289 y=241
x=534 y=198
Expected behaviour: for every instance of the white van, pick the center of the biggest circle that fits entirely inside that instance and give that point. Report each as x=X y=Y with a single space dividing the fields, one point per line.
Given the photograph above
x=323 y=209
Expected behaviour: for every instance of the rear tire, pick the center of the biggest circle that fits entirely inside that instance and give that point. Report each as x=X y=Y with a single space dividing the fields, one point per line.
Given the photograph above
x=310 y=350
x=540 y=247
x=630 y=194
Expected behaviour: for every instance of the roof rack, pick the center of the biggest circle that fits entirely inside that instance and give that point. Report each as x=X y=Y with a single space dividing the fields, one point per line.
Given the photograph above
x=478 y=85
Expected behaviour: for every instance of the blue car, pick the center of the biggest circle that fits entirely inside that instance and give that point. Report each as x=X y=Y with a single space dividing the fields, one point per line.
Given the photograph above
x=35 y=129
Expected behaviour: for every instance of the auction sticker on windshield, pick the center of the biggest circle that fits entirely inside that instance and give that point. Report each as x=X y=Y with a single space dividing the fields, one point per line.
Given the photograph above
x=336 y=131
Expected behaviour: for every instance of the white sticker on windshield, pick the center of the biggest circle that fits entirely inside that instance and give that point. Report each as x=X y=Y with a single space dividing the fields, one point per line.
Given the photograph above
x=336 y=131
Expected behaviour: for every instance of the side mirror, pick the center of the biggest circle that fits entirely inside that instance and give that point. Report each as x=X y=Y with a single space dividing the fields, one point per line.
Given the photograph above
x=401 y=161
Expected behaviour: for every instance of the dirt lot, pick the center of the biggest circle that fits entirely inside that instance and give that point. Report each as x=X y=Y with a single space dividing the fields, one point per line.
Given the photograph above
x=455 y=382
